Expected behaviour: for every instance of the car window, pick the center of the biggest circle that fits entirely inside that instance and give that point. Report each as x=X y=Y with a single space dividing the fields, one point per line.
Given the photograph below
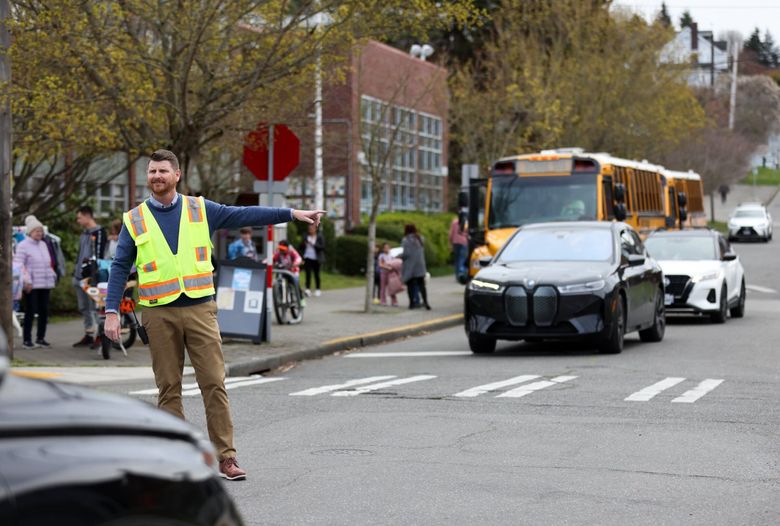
x=682 y=248
x=559 y=244
x=749 y=213
x=628 y=244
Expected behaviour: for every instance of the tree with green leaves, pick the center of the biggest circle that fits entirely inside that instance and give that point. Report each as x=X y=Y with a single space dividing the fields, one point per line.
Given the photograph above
x=663 y=17
x=686 y=20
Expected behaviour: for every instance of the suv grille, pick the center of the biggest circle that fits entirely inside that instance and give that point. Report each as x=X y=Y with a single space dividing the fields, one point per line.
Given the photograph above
x=677 y=284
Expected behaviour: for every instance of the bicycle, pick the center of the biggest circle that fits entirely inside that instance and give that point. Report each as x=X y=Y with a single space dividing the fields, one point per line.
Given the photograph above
x=287 y=298
x=128 y=323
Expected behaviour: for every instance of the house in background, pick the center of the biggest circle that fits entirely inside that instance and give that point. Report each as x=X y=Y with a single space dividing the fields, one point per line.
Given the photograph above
x=707 y=57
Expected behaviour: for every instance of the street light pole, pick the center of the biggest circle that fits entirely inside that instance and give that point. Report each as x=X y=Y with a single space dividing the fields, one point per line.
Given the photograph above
x=5 y=183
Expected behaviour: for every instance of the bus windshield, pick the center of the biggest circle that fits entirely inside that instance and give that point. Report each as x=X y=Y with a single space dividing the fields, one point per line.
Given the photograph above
x=515 y=201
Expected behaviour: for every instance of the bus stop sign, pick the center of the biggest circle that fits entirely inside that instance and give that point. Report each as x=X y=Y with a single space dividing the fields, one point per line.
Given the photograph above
x=286 y=149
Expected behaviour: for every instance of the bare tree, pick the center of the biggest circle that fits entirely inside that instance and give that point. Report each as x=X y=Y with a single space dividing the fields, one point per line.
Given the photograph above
x=391 y=133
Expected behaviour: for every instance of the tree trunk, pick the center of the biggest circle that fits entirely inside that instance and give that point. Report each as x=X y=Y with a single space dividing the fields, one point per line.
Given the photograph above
x=369 y=305
x=6 y=164
x=712 y=206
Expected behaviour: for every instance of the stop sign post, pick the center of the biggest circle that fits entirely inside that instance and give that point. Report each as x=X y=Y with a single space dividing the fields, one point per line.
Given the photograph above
x=271 y=153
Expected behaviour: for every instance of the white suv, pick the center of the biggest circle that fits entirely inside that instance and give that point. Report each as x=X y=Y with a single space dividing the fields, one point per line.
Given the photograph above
x=750 y=221
x=701 y=273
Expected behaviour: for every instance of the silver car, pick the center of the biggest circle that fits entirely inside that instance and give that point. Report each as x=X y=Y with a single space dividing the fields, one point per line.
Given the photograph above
x=750 y=221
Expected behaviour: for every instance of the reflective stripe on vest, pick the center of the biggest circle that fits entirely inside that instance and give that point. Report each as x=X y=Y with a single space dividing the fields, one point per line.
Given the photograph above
x=150 y=267
x=194 y=210
x=200 y=253
x=156 y=291
x=137 y=220
x=198 y=281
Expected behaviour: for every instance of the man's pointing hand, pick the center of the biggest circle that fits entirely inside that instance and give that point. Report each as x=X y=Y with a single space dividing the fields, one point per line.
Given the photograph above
x=309 y=216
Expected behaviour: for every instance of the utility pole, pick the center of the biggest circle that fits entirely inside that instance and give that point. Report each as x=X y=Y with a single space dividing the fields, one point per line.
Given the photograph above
x=734 y=58
x=319 y=190
x=5 y=184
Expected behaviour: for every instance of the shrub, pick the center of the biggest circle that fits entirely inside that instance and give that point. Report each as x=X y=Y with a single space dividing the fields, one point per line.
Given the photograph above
x=350 y=253
x=391 y=231
x=63 y=296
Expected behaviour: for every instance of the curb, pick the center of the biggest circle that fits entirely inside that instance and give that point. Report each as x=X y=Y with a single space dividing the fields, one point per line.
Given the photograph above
x=266 y=363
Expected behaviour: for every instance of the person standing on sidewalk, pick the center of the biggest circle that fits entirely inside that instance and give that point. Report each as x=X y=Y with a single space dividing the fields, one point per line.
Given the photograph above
x=168 y=237
x=92 y=245
x=313 y=251
x=243 y=246
x=414 y=270
x=34 y=257
x=459 y=246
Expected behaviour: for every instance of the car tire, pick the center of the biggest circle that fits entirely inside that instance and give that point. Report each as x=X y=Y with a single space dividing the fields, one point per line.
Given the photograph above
x=656 y=332
x=612 y=342
x=739 y=310
x=722 y=313
x=480 y=344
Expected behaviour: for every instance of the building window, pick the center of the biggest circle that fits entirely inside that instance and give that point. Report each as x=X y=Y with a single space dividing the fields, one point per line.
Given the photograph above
x=413 y=178
x=110 y=199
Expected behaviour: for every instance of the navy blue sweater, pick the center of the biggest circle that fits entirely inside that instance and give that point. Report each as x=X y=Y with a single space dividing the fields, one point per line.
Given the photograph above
x=218 y=216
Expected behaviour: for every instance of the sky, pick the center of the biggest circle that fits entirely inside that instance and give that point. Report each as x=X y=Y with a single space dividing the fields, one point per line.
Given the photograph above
x=717 y=15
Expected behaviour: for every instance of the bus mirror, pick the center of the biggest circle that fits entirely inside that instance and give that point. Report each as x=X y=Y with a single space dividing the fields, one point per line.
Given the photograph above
x=682 y=199
x=620 y=193
x=683 y=214
x=463 y=199
x=620 y=212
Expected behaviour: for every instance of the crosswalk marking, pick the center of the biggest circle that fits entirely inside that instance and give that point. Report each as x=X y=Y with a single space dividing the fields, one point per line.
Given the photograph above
x=382 y=385
x=235 y=384
x=650 y=391
x=410 y=354
x=329 y=388
x=758 y=288
x=240 y=380
x=482 y=389
x=530 y=388
x=697 y=392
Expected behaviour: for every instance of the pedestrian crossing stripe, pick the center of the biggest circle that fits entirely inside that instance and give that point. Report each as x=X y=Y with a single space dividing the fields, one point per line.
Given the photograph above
x=514 y=387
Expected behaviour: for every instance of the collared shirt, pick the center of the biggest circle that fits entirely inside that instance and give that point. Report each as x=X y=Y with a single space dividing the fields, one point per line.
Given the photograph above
x=158 y=204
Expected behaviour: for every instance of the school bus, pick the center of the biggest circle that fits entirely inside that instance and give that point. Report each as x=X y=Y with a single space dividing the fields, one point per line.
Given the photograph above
x=688 y=188
x=564 y=185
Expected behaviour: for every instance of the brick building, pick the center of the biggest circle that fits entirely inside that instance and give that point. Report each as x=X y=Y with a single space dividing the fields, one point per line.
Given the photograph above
x=396 y=102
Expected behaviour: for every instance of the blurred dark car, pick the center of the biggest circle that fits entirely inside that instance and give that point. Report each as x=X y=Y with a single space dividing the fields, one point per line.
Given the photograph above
x=568 y=280
x=70 y=456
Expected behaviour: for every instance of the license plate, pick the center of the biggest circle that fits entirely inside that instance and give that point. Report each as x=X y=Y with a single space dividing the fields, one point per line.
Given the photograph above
x=668 y=299
x=745 y=230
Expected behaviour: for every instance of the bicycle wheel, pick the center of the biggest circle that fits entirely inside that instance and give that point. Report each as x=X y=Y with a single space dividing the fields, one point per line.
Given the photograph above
x=105 y=343
x=280 y=309
x=294 y=307
x=127 y=331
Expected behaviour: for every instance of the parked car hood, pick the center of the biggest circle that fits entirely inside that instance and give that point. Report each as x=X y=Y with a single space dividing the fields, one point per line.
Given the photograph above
x=675 y=267
x=551 y=272
x=36 y=407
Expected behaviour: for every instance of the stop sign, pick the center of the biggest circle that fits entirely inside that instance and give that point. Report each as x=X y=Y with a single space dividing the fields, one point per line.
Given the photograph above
x=287 y=152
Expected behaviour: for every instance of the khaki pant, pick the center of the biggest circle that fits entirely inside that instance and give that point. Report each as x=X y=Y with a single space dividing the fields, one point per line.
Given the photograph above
x=170 y=330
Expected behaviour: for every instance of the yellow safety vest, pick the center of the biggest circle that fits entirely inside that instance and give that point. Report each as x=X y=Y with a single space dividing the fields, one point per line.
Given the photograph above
x=163 y=276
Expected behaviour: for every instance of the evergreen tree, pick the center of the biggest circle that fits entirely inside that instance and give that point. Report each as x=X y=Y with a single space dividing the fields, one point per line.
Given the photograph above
x=663 y=17
x=753 y=42
x=770 y=55
x=686 y=20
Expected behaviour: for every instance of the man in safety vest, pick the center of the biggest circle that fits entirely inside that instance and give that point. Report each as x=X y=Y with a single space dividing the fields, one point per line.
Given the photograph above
x=168 y=238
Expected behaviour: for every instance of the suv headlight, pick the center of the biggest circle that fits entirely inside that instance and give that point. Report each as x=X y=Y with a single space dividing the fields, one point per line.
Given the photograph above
x=577 y=288
x=706 y=277
x=485 y=286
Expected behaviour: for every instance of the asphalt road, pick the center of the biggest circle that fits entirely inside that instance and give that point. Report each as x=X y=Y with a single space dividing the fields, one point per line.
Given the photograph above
x=680 y=432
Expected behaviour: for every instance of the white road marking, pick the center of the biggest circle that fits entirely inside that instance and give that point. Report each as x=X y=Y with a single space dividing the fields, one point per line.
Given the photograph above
x=382 y=385
x=408 y=354
x=649 y=392
x=235 y=384
x=187 y=387
x=482 y=389
x=758 y=288
x=530 y=388
x=328 y=388
x=697 y=392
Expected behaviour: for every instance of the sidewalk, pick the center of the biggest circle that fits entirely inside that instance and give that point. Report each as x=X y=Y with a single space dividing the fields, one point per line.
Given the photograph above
x=333 y=322
x=740 y=193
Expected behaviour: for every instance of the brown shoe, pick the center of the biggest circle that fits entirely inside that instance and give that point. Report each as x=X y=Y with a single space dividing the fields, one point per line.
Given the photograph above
x=228 y=469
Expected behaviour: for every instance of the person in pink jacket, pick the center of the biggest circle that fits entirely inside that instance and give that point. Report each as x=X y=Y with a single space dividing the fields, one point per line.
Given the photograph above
x=33 y=255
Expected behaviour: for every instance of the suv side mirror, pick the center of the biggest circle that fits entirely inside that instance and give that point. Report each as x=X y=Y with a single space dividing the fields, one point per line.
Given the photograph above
x=730 y=256
x=683 y=214
x=635 y=260
x=484 y=261
x=682 y=199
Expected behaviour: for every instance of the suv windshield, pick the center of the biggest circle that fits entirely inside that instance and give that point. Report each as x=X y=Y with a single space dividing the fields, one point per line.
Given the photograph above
x=564 y=244
x=682 y=247
x=759 y=214
x=515 y=201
